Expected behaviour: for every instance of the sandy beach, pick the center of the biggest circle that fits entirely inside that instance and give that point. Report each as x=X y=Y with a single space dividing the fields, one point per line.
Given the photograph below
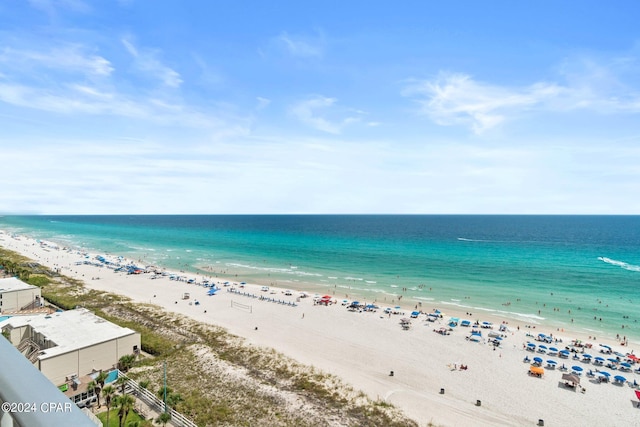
x=363 y=348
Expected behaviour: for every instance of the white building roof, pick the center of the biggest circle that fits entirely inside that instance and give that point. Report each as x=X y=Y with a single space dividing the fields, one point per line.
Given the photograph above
x=9 y=284
x=70 y=330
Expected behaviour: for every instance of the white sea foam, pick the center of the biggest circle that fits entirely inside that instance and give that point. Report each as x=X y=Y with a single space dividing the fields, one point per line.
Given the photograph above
x=138 y=248
x=463 y=239
x=273 y=269
x=620 y=264
x=370 y=281
x=531 y=318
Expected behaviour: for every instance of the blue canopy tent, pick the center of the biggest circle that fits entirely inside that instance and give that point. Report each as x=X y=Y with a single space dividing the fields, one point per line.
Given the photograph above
x=619 y=379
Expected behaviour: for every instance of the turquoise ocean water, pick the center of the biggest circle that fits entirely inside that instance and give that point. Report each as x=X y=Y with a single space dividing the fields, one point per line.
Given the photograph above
x=543 y=269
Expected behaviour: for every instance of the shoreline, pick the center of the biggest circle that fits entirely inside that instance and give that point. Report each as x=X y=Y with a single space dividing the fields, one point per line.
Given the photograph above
x=362 y=349
x=597 y=311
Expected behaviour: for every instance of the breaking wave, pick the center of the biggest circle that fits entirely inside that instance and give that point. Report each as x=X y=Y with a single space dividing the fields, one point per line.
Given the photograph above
x=620 y=264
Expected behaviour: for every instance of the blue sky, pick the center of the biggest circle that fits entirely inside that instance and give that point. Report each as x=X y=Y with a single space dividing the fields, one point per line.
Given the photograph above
x=319 y=107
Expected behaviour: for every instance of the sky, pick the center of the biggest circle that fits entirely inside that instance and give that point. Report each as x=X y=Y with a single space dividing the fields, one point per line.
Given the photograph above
x=290 y=107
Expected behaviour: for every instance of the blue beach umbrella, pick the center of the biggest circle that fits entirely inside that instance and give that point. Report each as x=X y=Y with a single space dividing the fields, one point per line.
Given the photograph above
x=415 y=313
x=532 y=345
x=553 y=349
x=625 y=364
x=577 y=368
x=552 y=362
x=599 y=359
x=605 y=373
x=620 y=378
x=612 y=360
x=586 y=356
x=537 y=359
x=542 y=346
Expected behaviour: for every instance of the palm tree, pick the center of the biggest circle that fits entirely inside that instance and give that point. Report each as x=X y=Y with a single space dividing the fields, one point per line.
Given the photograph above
x=24 y=274
x=125 y=404
x=122 y=382
x=164 y=418
x=95 y=388
x=100 y=379
x=173 y=399
x=108 y=393
x=91 y=387
x=126 y=362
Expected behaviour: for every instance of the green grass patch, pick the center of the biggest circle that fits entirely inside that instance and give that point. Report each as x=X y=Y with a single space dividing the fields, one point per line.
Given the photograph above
x=114 y=421
x=38 y=280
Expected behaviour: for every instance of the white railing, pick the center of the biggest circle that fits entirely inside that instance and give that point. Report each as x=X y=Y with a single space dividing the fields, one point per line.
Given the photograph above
x=177 y=419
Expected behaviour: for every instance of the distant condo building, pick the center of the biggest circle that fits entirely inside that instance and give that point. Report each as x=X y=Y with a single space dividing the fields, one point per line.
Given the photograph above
x=68 y=345
x=16 y=295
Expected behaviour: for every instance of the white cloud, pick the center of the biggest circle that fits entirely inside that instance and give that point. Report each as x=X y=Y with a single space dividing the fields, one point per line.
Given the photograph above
x=304 y=47
x=262 y=102
x=147 y=62
x=72 y=79
x=69 y=58
x=313 y=112
x=452 y=99
x=586 y=84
